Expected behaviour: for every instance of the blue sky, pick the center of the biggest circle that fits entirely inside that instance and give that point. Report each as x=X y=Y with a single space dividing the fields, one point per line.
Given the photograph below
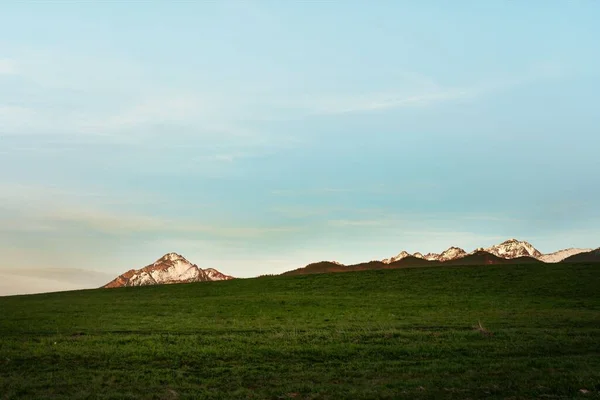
x=255 y=137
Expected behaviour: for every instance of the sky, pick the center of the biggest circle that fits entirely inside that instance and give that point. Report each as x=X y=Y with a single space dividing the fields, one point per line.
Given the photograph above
x=255 y=137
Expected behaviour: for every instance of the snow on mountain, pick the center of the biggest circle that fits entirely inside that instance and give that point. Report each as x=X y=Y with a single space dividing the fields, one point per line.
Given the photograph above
x=400 y=256
x=215 y=275
x=451 y=254
x=508 y=249
x=513 y=248
x=171 y=268
x=560 y=255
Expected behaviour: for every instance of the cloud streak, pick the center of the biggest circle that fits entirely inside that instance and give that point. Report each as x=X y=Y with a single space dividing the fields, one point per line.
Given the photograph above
x=382 y=102
x=68 y=220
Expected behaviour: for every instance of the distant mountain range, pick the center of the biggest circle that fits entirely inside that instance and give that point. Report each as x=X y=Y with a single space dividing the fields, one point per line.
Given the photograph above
x=511 y=251
x=174 y=268
x=171 y=268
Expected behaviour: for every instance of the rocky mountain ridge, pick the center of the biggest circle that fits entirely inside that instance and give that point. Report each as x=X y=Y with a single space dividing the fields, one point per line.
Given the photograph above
x=170 y=268
x=509 y=249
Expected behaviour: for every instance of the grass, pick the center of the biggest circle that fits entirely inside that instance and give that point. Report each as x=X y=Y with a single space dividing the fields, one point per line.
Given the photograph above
x=510 y=331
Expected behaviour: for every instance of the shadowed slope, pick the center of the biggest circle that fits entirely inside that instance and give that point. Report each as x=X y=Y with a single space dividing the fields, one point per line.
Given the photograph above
x=590 y=256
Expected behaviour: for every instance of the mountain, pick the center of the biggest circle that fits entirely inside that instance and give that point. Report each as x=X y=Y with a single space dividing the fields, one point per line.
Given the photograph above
x=450 y=254
x=560 y=255
x=453 y=253
x=514 y=248
x=398 y=257
x=479 y=257
x=320 y=267
x=588 y=256
x=509 y=249
x=171 y=268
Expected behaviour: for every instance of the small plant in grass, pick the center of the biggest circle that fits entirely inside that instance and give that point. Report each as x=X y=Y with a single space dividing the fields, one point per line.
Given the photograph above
x=481 y=329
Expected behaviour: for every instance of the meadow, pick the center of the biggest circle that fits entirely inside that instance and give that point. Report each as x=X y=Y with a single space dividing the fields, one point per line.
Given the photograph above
x=507 y=331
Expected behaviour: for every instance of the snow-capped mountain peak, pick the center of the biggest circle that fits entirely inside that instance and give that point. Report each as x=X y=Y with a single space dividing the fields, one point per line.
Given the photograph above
x=513 y=248
x=509 y=249
x=170 y=268
x=452 y=253
x=171 y=257
x=400 y=256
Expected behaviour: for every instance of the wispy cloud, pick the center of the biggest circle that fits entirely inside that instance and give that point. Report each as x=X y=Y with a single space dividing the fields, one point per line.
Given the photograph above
x=37 y=196
x=326 y=191
x=67 y=221
x=120 y=104
x=38 y=209
x=204 y=114
x=430 y=93
x=302 y=211
x=310 y=191
x=343 y=223
x=235 y=118
x=377 y=102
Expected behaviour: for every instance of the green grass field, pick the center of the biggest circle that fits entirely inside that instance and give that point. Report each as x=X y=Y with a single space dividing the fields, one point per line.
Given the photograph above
x=405 y=333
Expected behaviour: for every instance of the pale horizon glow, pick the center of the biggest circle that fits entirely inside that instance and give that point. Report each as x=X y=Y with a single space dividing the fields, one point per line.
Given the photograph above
x=255 y=137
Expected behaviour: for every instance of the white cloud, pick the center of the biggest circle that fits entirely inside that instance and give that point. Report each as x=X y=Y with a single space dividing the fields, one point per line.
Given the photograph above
x=153 y=110
x=358 y=223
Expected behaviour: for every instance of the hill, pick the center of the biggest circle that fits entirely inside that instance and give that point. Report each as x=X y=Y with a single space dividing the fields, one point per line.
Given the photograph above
x=323 y=267
x=590 y=256
x=319 y=268
x=484 y=258
x=499 y=331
